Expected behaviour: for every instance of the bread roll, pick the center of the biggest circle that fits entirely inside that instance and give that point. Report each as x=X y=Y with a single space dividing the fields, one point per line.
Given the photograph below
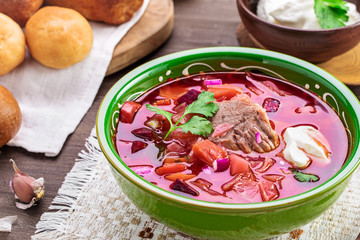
x=12 y=44
x=108 y=11
x=58 y=37
x=10 y=116
x=20 y=10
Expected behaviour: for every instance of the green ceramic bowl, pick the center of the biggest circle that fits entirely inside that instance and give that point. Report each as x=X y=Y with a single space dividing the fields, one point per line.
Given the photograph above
x=219 y=220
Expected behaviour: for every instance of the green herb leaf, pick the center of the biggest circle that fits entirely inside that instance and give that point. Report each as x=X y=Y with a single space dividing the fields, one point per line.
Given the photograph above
x=203 y=105
x=304 y=177
x=198 y=126
x=331 y=13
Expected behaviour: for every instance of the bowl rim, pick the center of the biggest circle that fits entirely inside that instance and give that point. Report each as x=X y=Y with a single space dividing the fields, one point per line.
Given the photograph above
x=291 y=29
x=115 y=161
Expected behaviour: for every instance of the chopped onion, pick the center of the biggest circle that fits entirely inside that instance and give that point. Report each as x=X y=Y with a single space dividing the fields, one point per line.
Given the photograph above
x=212 y=82
x=258 y=137
x=206 y=169
x=221 y=165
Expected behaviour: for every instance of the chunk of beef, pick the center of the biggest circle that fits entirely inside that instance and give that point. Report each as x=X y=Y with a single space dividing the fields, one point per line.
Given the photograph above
x=248 y=119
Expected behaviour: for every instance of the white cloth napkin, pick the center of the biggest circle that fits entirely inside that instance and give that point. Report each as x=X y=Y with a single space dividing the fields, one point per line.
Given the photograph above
x=6 y=223
x=53 y=102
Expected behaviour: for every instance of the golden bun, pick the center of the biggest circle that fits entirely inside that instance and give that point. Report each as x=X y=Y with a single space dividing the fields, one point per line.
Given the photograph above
x=12 y=44
x=108 y=11
x=10 y=116
x=58 y=37
x=20 y=10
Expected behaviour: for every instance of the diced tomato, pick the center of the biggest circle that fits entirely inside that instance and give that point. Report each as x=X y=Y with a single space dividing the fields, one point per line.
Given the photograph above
x=197 y=166
x=238 y=179
x=128 y=110
x=268 y=191
x=173 y=92
x=276 y=178
x=247 y=189
x=256 y=163
x=202 y=183
x=205 y=186
x=208 y=152
x=162 y=102
x=170 y=168
x=181 y=176
x=273 y=177
x=238 y=165
x=224 y=90
x=268 y=163
x=175 y=147
x=186 y=139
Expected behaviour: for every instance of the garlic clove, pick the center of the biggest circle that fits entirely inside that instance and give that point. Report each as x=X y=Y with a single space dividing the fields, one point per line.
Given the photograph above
x=26 y=188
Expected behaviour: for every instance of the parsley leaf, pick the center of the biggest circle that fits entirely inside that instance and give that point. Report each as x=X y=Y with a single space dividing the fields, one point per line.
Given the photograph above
x=331 y=13
x=304 y=177
x=203 y=105
x=196 y=125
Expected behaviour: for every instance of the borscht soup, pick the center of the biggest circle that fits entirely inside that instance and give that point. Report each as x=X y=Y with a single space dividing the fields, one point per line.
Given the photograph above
x=231 y=137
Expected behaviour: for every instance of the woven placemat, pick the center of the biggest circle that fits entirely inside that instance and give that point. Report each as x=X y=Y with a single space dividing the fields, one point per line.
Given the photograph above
x=90 y=205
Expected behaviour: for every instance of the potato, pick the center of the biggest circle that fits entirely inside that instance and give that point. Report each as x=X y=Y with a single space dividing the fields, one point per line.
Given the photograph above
x=10 y=116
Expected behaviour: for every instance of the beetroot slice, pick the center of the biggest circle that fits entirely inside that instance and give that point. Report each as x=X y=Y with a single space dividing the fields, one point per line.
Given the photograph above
x=189 y=97
x=137 y=146
x=180 y=185
x=144 y=133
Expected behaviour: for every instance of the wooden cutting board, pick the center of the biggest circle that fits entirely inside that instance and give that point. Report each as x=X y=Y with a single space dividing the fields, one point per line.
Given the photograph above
x=150 y=32
x=345 y=67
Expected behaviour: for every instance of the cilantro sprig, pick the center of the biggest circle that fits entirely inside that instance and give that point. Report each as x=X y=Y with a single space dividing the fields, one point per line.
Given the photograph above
x=196 y=125
x=304 y=177
x=331 y=13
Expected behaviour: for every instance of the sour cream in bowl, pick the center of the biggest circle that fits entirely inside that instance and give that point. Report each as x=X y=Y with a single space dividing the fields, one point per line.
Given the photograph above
x=291 y=27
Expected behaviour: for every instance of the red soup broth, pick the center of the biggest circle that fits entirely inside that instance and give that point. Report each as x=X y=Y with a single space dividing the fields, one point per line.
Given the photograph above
x=294 y=106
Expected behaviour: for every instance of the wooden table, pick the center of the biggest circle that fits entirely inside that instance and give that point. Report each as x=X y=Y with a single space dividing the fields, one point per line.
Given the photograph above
x=201 y=23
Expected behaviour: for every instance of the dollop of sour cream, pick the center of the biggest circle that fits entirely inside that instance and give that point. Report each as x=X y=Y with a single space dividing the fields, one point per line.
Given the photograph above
x=302 y=141
x=297 y=13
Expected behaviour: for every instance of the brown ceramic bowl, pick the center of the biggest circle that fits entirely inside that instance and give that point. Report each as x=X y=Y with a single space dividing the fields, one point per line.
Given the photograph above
x=312 y=45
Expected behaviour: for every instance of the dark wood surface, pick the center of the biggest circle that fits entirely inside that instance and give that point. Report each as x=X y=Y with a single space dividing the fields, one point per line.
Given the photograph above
x=198 y=23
